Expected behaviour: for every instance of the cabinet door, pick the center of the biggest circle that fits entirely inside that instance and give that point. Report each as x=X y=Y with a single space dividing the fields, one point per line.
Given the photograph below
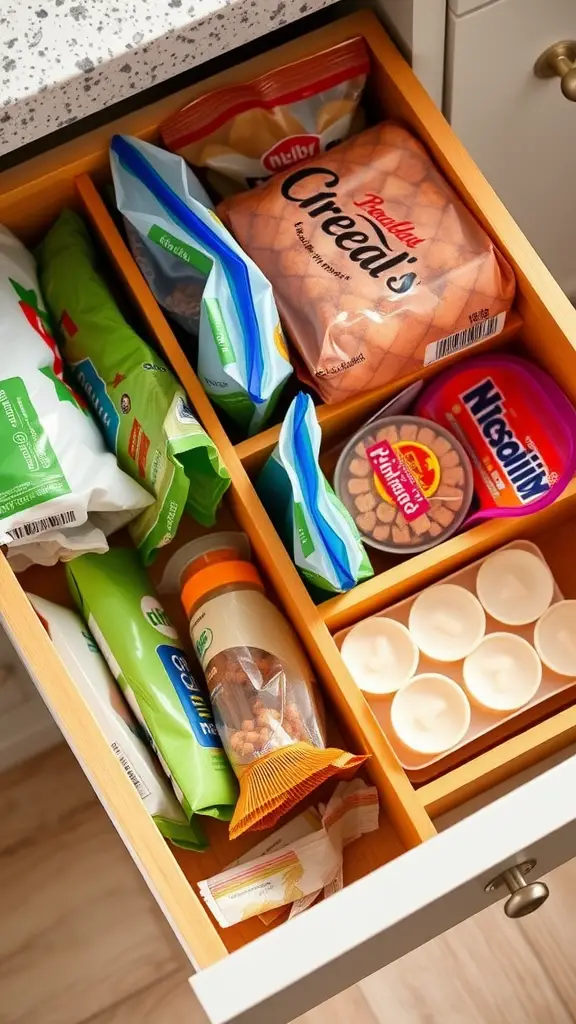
x=520 y=129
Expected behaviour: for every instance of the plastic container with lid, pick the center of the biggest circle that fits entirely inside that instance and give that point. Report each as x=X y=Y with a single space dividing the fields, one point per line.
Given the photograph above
x=407 y=483
x=266 y=706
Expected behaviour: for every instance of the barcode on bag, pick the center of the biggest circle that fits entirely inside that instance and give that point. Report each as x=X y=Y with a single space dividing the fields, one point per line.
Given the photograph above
x=139 y=783
x=42 y=525
x=463 y=339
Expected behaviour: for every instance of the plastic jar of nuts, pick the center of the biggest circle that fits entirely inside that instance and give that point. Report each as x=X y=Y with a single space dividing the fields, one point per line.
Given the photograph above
x=266 y=707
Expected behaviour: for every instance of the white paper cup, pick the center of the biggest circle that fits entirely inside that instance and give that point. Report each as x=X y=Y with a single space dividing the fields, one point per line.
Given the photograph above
x=380 y=655
x=447 y=622
x=515 y=586
x=430 y=714
x=555 y=638
x=503 y=673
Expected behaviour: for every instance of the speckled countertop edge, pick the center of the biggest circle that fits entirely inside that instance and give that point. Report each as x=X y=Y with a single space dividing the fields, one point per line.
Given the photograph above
x=64 y=59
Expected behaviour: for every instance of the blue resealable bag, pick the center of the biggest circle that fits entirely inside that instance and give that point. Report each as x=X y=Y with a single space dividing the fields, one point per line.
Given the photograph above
x=315 y=526
x=203 y=279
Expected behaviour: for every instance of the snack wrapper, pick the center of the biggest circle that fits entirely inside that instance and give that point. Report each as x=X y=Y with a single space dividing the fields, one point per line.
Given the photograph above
x=298 y=870
x=94 y=681
x=313 y=522
x=377 y=266
x=143 y=653
x=142 y=410
x=247 y=132
x=201 y=276
x=61 y=492
x=517 y=426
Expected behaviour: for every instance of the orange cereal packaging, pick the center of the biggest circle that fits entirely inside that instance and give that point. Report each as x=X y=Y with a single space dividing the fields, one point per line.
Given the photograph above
x=265 y=702
x=378 y=268
x=250 y=131
x=517 y=426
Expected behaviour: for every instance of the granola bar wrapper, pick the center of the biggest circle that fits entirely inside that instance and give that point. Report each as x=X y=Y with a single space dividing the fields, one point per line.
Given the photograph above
x=378 y=268
x=299 y=869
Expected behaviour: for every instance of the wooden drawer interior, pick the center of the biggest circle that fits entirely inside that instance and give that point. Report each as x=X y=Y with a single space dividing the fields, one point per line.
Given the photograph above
x=543 y=327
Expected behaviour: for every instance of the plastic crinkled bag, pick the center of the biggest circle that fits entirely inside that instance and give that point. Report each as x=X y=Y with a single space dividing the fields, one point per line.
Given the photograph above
x=87 y=668
x=143 y=652
x=201 y=276
x=141 y=408
x=61 y=492
x=377 y=266
x=248 y=131
x=300 y=869
x=316 y=527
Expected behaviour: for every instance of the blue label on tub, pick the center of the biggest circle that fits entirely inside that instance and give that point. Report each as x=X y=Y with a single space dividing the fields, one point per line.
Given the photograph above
x=192 y=695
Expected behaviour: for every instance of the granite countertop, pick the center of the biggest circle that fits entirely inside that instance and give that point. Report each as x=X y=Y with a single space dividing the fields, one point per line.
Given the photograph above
x=64 y=59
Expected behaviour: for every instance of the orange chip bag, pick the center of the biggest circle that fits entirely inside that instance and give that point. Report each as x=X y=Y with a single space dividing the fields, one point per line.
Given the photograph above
x=248 y=132
x=378 y=269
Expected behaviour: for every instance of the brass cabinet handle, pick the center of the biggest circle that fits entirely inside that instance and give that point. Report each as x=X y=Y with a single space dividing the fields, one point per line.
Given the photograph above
x=559 y=59
x=525 y=897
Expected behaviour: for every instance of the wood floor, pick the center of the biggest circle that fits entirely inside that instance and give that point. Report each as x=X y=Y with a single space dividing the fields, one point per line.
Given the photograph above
x=82 y=940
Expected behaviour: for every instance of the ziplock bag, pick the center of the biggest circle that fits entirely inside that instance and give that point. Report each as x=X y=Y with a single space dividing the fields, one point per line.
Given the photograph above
x=79 y=652
x=199 y=273
x=141 y=408
x=313 y=522
x=141 y=646
x=61 y=492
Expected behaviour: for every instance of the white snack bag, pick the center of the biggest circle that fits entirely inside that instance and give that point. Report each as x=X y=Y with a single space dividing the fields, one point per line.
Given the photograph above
x=61 y=492
x=299 y=869
x=86 y=666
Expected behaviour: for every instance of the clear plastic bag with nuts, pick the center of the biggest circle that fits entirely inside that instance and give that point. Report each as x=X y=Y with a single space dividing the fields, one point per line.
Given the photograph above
x=266 y=706
x=261 y=704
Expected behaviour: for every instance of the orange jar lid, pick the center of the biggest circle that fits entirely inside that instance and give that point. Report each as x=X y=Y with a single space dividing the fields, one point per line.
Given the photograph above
x=209 y=558
x=220 y=574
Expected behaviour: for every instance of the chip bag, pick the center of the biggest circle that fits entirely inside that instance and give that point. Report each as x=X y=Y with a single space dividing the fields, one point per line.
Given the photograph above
x=143 y=653
x=314 y=524
x=142 y=410
x=183 y=248
x=88 y=670
x=61 y=492
x=249 y=131
x=377 y=266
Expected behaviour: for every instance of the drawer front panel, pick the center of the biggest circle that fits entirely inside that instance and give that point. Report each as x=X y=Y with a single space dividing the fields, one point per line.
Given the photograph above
x=390 y=912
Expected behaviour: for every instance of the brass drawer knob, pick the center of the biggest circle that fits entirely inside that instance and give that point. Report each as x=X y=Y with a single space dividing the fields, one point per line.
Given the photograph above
x=559 y=59
x=525 y=897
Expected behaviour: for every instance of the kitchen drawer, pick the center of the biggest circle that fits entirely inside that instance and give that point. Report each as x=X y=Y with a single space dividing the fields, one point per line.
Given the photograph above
x=409 y=882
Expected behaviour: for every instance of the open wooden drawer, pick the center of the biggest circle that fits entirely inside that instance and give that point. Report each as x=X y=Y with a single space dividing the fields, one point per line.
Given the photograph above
x=408 y=882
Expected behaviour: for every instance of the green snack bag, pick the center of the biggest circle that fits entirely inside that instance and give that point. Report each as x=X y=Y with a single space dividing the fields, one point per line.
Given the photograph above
x=141 y=408
x=140 y=645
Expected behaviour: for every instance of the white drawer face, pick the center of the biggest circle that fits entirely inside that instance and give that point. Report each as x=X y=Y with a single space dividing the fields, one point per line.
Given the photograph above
x=395 y=909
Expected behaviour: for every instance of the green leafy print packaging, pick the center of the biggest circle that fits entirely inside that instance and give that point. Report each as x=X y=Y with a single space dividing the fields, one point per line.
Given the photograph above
x=88 y=670
x=202 y=277
x=61 y=492
x=140 y=645
x=142 y=410
x=315 y=526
